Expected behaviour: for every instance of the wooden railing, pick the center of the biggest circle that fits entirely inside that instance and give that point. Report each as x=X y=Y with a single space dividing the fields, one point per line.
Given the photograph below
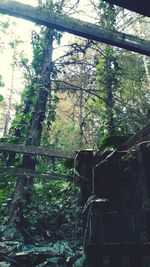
x=33 y=150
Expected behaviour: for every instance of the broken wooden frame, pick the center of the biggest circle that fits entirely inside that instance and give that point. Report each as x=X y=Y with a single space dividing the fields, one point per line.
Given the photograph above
x=74 y=26
x=28 y=173
x=32 y=150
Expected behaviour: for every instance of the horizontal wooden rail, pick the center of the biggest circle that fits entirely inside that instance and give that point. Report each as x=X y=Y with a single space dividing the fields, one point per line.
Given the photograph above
x=33 y=150
x=28 y=173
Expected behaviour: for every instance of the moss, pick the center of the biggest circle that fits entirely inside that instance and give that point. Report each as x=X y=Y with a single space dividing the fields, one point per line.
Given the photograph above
x=114 y=141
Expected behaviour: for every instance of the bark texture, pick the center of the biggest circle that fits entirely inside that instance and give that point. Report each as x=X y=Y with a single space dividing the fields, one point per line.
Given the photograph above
x=21 y=196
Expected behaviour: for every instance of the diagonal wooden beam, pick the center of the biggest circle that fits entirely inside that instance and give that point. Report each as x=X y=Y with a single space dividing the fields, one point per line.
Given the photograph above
x=33 y=150
x=77 y=27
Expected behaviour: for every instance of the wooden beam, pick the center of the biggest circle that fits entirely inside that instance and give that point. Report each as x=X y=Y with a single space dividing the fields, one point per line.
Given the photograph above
x=77 y=27
x=28 y=173
x=33 y=150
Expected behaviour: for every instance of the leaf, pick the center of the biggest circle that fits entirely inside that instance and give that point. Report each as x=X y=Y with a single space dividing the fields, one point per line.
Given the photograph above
x=1 y=98
x=5 y=264
x=54 y=260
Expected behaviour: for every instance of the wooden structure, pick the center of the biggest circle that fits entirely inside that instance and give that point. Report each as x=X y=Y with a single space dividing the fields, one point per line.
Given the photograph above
x=117 y=206
x=34 y=151
x=75 y=26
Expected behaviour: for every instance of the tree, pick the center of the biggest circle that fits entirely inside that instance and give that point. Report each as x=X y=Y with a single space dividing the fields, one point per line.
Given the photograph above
x=34 y=113
x=21 y=192
x=108 y=67
x=76 y=83
x=13 y=45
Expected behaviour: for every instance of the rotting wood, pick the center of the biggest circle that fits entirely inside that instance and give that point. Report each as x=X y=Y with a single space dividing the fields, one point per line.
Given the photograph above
x=75 y=26
x=21 y=172
x=33 y=150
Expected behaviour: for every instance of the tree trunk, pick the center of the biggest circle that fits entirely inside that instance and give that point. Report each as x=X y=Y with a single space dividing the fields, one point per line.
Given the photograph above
x=16 y=132
x=110 y=107
x=21 y=194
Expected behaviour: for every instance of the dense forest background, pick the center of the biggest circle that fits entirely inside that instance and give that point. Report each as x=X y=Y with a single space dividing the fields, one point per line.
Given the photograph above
x=67 y=94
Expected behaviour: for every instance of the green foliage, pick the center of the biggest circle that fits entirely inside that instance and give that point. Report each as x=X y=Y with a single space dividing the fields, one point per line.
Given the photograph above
x=54 y=210
x=38 y=44
x=109 y=71
x=1 y=98
x=1 y=85
x=6 y=189
x=64 y=135
x=109 y=85
x=2 y=196
x=5 y=25
x=21 y=123
x=107 y=14
x=51 y=110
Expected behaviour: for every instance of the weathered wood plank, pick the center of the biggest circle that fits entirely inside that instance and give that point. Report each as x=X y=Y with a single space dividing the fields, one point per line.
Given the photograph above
x=28 y=173
x=74 y=26
x=33 y=150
